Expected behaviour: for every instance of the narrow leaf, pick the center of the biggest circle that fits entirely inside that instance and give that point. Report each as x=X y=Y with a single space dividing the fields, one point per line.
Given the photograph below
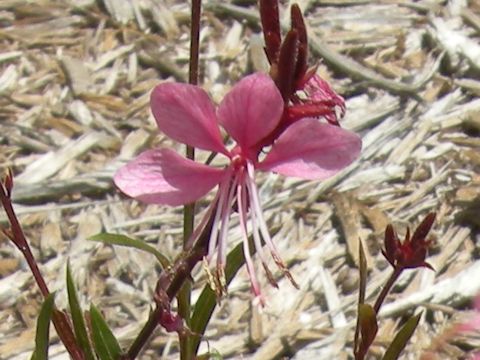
x=77 y=318
x=367 y=319
x=122 y=240
x=363 y=272
x=43 y=330
x=362 y=289
x=401 y=339
x=106 y=345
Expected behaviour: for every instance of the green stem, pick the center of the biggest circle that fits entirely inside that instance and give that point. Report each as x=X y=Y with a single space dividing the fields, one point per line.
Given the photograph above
x=184 y=296
x=180 y=285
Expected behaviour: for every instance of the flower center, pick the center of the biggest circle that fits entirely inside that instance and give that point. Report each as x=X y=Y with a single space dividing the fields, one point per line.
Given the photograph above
x=239 y=160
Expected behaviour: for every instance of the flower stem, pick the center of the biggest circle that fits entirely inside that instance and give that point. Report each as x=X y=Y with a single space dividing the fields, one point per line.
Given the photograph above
x=184 y=295
x=194 y=41
x=180 y=285
x=17 y=236
x=189 y=209
x=386 y=289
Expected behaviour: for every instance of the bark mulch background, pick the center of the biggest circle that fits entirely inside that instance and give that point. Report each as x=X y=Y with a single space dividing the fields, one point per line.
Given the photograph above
x=75 y=78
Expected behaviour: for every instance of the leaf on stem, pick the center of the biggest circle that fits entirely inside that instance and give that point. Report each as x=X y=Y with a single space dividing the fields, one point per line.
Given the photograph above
x=77 y=318
x=367 y=319
x=43 y=330
x=362 y=267
x=362 y=263
x=403 y=336
x=122 y=240
x=106 y=345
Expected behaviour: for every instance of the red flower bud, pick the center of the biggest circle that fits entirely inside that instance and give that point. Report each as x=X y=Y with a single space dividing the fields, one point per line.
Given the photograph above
x=410 y=253
x=271 y=29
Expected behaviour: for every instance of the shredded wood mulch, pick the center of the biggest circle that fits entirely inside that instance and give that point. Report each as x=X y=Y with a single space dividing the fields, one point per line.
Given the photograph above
x=75 y=78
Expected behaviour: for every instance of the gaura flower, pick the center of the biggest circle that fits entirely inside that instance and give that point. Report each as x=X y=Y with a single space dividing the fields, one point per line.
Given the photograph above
x=473 y=323
x=252 y=110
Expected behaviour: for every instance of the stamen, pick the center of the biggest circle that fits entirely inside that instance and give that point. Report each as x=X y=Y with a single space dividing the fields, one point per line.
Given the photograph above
x=212 y=244
x=198 y=230
x=255 y=205
x=226 y=212
x=246 y=246
x=211 y=279
x=256 y=237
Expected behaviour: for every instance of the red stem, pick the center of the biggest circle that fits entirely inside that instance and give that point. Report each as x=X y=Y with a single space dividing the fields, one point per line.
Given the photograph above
x=17 y=236
x=386 y=289
x=194 y=42
x=20 y=241
x=180 y=273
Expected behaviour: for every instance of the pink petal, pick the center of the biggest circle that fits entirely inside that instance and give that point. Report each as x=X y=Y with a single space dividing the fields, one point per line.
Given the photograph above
x=185 y=113
x=161 y=176
x=251 y=110
x=310 y=149
x=320 y=91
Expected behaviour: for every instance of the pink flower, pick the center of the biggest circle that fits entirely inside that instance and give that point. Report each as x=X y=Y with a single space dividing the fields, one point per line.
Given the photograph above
x=473 y=324
x=251 y=111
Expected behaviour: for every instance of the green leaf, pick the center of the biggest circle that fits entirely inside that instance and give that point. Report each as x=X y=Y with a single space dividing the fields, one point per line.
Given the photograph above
x=77 y=318
x=122 y=240
x=211 y=355
x=363 y=272
x=401 y=339
x=367 y=319
x=362 y=267
x=43 y=330
x=106 y=345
